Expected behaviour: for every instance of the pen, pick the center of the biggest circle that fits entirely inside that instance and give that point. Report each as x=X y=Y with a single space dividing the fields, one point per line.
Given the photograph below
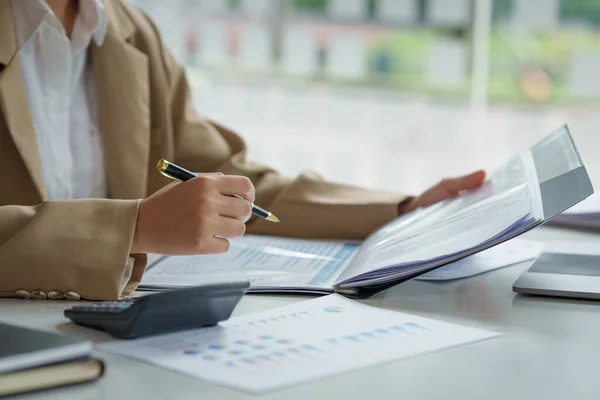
x=176 y=172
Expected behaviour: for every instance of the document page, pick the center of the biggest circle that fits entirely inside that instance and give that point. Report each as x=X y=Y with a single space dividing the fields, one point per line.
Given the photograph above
x=265 y=261
x=310 y=340
x=513 y=252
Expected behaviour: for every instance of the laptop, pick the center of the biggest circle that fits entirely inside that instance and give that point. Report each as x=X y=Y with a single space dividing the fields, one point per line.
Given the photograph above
x=565 y=269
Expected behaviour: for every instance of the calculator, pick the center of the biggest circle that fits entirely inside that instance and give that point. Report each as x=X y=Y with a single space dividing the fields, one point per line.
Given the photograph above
x=163 y=312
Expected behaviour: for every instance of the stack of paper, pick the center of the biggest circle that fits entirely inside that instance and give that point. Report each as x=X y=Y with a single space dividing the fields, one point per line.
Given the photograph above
x=509 y=204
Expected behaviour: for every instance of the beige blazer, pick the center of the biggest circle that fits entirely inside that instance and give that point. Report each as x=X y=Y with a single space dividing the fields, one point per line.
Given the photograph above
x=145 y=114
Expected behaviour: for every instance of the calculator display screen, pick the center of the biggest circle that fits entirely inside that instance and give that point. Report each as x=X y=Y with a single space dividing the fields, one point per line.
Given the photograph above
x=567 y=264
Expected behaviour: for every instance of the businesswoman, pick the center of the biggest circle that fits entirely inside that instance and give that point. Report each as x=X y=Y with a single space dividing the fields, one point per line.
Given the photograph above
x=90 y=100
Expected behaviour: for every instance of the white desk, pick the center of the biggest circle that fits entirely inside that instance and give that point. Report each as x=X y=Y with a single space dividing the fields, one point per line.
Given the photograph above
x=549 y=348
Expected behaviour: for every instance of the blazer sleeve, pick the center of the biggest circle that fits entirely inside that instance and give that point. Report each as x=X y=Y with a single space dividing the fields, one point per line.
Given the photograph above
x=79 y=246
x=308 y=206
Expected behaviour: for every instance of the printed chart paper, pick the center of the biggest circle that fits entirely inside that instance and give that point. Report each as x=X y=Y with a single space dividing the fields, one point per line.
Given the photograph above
x=262 y=261
x=302 y=342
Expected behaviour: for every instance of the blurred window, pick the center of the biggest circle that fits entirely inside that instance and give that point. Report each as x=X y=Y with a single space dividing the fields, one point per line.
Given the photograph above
x=350 y=87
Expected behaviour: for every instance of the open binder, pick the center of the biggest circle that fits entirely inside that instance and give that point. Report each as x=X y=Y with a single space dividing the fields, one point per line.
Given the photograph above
x=526 y=191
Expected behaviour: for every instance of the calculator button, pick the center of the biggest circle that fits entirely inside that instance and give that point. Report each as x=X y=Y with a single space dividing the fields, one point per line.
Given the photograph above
x=112 y=307
x=83 y=308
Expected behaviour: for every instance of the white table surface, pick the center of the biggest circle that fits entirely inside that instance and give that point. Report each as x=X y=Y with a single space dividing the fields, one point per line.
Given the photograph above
x=549 y=348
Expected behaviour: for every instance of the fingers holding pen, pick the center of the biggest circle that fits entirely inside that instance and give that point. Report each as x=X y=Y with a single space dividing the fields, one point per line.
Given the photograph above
x=193 y=217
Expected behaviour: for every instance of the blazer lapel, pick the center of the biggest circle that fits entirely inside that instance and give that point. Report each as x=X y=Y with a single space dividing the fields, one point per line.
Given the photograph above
x=121 y=79
x=13 y=100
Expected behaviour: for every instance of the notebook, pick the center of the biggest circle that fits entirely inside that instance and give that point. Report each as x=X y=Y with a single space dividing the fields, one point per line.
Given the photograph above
x=585 y=215
x=526 y=191
x=32 y=360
